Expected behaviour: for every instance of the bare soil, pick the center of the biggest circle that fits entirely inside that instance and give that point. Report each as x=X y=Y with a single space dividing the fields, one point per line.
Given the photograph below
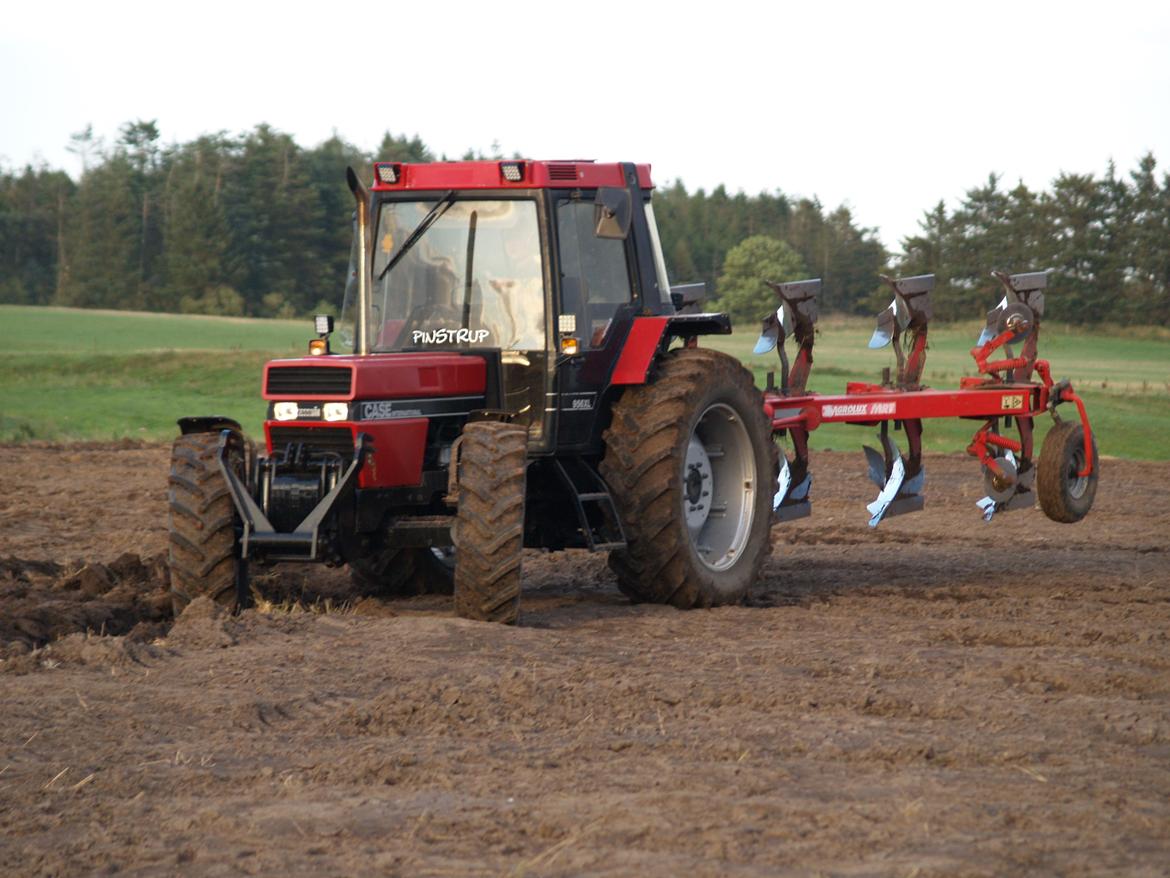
x=936 y=697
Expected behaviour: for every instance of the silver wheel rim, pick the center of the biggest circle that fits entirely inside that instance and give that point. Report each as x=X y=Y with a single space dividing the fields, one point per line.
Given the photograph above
x=719 y=487
x=1076 y=482
x=444 y=555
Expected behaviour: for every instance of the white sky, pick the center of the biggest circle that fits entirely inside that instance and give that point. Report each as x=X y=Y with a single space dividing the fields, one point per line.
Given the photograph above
x=884 y=106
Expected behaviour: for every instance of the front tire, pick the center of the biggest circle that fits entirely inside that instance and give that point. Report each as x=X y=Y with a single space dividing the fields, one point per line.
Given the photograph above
x=489 y=522
x=691 y=466
x=202 y=556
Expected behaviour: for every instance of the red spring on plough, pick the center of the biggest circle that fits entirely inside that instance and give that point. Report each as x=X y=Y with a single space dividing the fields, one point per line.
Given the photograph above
x=986 y=436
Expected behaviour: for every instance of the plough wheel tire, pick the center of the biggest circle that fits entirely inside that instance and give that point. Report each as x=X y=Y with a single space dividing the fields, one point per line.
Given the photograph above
x=489 y=523
x=1064 y=495
x=394 y=571
x=691 y=466
x=202 y=523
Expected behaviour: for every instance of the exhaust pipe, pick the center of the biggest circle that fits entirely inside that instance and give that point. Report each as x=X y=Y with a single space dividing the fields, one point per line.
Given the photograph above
x=362 y=197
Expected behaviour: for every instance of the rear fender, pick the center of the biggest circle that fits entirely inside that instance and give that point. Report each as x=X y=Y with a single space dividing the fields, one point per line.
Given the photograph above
x=650 y=336
x=208 y=424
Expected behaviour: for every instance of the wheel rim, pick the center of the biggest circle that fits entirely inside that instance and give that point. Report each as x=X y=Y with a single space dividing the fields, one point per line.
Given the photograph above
x=719 y=487
x=444 y=556
x=1077 y=484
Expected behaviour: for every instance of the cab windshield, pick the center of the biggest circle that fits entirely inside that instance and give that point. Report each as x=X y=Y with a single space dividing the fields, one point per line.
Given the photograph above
x=455 y=273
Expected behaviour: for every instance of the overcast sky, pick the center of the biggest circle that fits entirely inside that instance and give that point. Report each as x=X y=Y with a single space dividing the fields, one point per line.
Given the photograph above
x=884 y=106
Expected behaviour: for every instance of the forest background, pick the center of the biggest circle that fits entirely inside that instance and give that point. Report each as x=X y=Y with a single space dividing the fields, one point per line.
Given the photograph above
x=258 y=225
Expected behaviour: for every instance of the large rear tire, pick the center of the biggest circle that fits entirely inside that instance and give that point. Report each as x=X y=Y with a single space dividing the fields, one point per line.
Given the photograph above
x=202 y=555
x=691 y=466
x=489 y=523
x=1065 y=495
x=403 y=572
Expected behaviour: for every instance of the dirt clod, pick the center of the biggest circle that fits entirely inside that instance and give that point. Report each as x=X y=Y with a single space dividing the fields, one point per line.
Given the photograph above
x=91 y=580
x=43 y=601
x=203 y=623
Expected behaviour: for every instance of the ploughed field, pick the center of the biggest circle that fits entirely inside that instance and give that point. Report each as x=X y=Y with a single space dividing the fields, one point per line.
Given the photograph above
x=936 y=697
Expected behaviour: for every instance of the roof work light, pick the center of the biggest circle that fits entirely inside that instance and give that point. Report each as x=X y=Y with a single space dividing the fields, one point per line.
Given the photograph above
x=512 y=172
x=387 y=172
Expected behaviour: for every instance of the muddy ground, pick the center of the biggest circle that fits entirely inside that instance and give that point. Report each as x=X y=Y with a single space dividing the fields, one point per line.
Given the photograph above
x=938 y=697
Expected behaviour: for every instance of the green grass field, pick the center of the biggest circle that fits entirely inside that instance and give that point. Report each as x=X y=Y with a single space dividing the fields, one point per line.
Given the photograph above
x=77 y=374
x=100 y=375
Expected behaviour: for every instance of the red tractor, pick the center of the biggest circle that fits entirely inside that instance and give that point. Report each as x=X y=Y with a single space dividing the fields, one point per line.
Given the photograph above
x=519 y=373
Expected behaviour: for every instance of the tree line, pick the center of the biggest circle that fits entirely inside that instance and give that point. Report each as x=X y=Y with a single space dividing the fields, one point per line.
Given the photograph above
x=1106 y=238
x=252 y=224
x=700 y=230
x=256 y=224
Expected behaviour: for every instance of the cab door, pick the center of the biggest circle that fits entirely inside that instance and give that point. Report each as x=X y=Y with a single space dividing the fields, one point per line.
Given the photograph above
x=596 y=309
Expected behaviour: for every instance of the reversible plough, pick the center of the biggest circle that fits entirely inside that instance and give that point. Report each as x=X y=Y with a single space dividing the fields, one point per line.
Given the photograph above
x=1004 y=391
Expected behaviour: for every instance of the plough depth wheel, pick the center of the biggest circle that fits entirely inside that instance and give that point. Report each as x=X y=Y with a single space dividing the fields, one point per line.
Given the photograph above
x=1066 y=495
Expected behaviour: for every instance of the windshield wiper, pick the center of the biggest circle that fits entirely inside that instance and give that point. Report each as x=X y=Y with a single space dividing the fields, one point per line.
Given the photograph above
x=429 y=220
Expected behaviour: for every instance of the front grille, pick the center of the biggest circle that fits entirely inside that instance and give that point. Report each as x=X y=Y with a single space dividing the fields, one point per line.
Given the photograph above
x=338 y=440
x=310 y=381
x=562 y=172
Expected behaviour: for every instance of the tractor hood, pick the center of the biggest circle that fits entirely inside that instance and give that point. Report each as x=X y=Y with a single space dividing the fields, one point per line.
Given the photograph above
x=375 y=377
x=324 y=403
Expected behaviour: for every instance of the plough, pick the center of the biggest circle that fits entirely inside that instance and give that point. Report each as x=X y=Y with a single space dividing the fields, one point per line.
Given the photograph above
x=1004 y=391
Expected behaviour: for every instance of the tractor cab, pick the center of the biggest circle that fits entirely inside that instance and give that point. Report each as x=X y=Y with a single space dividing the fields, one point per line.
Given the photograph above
x=541 y=268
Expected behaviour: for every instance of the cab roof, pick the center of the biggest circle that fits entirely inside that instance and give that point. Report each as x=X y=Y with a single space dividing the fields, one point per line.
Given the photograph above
x=504 y=174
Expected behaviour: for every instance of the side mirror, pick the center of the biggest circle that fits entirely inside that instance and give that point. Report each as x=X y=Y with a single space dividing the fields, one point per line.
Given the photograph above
x=612 y=212
x=687 y=298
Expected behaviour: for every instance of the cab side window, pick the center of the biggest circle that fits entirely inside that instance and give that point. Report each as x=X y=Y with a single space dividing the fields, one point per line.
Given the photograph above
x=595 y=279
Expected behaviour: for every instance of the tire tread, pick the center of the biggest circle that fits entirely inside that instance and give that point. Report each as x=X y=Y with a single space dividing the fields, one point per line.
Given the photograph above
x=645 y=445
x=489 y=523
x=201 y=524
x=1063 y=441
